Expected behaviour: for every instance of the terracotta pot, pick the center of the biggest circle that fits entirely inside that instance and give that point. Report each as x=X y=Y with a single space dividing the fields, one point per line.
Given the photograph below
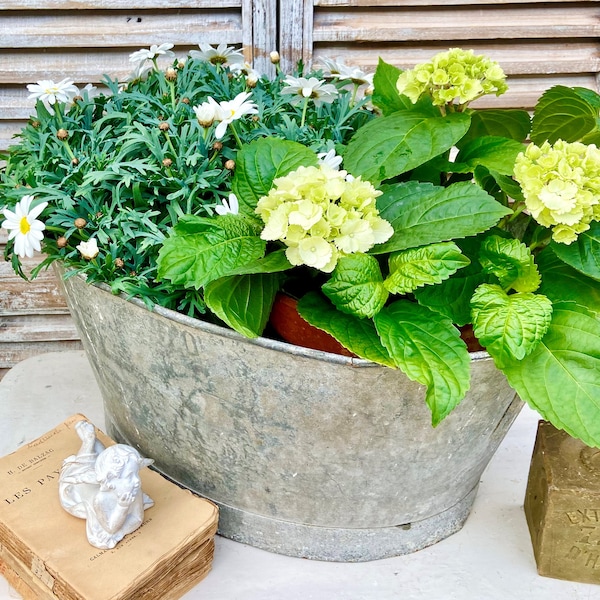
x=288 y=323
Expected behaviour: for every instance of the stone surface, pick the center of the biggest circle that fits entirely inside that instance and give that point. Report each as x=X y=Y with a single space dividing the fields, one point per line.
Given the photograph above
x=562 y=506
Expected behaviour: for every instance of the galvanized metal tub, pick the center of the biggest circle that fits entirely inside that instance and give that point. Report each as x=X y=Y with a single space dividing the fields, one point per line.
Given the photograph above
x=306 y=453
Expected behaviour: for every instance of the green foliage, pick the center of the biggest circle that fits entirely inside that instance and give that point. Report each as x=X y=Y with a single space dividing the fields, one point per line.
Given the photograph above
x=427 y=347
x=422 y=213
x=451 y=236
x=392 y=145
x=356 y=286
x=428 y=265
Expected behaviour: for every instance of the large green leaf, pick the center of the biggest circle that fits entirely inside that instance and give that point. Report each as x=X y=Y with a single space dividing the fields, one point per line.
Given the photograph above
x=202 y=250
x=561 y=377
x=495 y=153
x=356 y=286
x=422 y=213
x=427 y=265
x=584 y=254
x=562 y=282
x=385 y=94
x=392 y=145
x=243 y=301
x=428 y=349
x=513 y=124
x=259 y=163
x=274 y=262
x=509 y=327
x=511 y=262
x=357 y=335
x=562 y=114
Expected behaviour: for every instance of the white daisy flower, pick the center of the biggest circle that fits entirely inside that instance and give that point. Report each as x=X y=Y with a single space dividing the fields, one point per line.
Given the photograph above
x=301 y=88
x=23 y=226
x=206 y=113
x=232 y=110
x=222 y=54
x=141 y=56
x=88 y=249
x=331 y=159
x=338 y=70
x=50 y=93
x=231 y=207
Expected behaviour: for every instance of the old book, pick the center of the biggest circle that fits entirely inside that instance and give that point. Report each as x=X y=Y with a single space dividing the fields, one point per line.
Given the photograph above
x=44 y=552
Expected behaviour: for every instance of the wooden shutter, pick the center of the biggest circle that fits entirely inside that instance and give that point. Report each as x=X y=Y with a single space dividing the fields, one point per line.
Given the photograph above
x=83 y=39
x=538 y=44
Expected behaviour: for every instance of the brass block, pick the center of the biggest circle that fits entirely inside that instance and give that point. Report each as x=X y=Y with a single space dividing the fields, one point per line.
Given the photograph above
x=562 y=506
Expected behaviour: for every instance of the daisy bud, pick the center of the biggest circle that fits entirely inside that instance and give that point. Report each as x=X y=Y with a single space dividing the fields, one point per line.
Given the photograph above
x=77 y=98
x=62 y=242
x=167 y=162
x=119 y=263
x=80 y=223
x=181 y=64
x=185 y=100
x=274 y=56
x=251 y=81
x=171 y=74
x=164 y=126
x=230 y=165
x=75 y=161
x=218 y=146
x=62 y=134
x=35 y=124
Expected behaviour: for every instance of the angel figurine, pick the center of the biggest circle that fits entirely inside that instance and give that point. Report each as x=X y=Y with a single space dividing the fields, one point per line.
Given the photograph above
x=103 y=486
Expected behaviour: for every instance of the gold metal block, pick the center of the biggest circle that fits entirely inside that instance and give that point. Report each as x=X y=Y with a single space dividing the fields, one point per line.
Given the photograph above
x=562 y=506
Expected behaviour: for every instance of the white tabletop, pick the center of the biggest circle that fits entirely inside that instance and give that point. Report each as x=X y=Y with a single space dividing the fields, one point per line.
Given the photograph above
x=491 y=558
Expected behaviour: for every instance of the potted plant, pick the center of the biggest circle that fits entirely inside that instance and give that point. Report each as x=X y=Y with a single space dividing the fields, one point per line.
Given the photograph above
x=397 y=216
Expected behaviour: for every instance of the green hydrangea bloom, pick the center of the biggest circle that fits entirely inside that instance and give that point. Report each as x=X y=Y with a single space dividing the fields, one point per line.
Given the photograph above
x=320 y=214
x=561 y=186
x=456 y=76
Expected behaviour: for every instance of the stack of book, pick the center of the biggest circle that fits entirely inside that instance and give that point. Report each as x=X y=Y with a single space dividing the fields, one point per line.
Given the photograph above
x=44 y=551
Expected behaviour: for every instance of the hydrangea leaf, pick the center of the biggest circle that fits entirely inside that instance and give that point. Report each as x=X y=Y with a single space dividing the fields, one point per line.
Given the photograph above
x=494 y=153
x=356 y=286
x=357 y=335
x=244 y=302
x=428 y=349
x=583 y=254
x=427 y=265
x=509 y=327
x=511 y=262
x=422 y=213
x=259 y=163
x=389 y=146
x=560 y=282
x=514 y=124
x=559 y=379
x=386 y=95
x=202 y=250
x=452 y=297
x=562 y=114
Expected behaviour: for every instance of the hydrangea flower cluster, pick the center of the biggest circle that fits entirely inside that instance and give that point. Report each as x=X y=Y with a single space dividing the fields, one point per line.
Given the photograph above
x=561 y=185
x=321 y=214
x=453 y=75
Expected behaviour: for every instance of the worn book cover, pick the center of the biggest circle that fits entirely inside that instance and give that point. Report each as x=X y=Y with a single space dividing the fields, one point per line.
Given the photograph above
x=44 y=551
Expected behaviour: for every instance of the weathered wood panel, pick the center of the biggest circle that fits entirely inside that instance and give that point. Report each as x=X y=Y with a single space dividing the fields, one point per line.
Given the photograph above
x=11 y=354
x=485 y=22
x=537 y=43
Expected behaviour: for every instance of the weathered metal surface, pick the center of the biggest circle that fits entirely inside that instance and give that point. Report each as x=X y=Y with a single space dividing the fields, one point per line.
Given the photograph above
x=562 y=506
x=306 y=453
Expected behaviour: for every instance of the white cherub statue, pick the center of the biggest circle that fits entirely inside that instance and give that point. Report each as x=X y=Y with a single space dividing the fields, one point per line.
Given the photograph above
x=103 y=486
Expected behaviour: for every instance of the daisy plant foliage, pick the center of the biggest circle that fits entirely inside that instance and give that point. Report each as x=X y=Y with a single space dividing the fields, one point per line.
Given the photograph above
x=395 y=210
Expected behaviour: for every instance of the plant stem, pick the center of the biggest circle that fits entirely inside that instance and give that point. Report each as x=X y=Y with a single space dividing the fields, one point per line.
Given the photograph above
x=235 y=135
x=304 y=112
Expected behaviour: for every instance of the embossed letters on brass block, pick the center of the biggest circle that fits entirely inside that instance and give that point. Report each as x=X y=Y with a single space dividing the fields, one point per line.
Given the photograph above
x=562 y=506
